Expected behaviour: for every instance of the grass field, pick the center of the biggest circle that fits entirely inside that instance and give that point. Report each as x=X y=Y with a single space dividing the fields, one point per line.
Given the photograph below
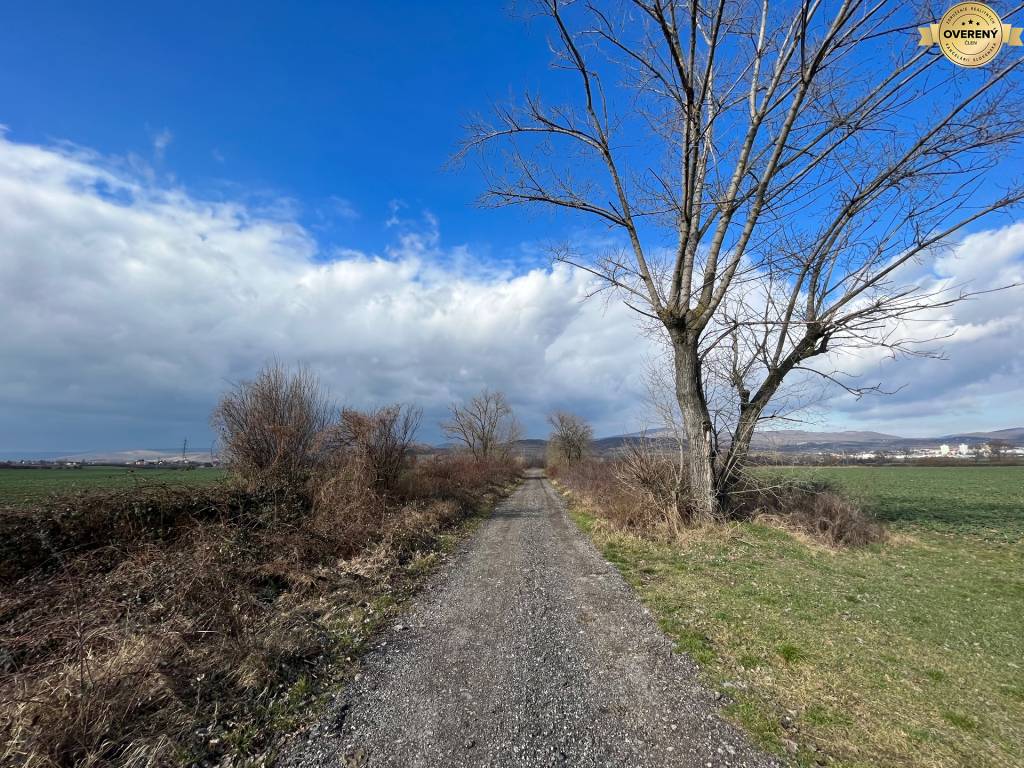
x=909 y=653
x=21 y=486
x=986 y=502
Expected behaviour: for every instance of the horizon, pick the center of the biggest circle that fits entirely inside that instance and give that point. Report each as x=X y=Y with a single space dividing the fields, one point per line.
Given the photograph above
x=55 y=454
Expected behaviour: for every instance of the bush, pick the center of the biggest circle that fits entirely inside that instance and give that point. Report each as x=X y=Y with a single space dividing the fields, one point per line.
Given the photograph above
x=456 y=475
x=619 y=492
x=160 y=626
x=816 y=509
x=272 y=429
x=637 y=491
x=372 y=447
x=48 y=535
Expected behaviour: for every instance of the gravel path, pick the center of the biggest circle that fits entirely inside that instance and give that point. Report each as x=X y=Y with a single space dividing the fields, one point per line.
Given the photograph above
x=527 y=650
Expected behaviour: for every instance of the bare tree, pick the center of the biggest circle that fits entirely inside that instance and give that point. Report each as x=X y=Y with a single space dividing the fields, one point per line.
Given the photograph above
x=570 y=437
x=770 y=167
x=272 y=429
x=375 y=444
x=998 y=448
x=485 y=425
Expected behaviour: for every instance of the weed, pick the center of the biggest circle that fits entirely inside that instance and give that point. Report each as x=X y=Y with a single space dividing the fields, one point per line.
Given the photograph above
x=959 y=720
x=790 y=653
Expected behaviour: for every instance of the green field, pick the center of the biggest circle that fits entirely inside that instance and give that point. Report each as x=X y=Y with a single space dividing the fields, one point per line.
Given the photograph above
x=987 y=502
x=23 y=486
x=909 y=653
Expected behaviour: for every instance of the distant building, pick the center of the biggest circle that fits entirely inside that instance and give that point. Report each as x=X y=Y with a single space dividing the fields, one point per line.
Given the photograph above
x=963 y=449
x=943 y=450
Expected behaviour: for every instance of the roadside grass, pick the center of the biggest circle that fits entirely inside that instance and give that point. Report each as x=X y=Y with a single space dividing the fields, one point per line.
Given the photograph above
x=25 y=486
x=905 y=654
x=361 y=615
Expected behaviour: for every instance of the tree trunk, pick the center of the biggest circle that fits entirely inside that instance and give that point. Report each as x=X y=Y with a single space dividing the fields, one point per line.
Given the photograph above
x=739 y=446
x=704 y=503
x=750 y=414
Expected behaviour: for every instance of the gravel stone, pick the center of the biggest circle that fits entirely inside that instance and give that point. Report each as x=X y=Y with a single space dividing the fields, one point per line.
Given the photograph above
x=526 y=649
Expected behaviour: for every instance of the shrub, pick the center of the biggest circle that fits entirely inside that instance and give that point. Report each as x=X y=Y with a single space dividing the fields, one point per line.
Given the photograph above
x=631 y=495
x=456 y=475
x=638 y=491
x=816 y=509
x=48 y=535
x=272 y=429
x=155 y=626
x=373 y=446
x=651 y=476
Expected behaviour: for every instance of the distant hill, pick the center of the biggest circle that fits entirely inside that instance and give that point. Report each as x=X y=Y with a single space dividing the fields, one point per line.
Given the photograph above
x=797 y=437
x=849 y=441
x=783 y=441
x=1013 y=434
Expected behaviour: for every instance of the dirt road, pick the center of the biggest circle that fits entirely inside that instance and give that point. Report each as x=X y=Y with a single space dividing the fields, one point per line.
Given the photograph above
x=528 y=650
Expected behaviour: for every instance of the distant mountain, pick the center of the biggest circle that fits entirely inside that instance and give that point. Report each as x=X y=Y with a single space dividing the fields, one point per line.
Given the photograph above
x=783 y=441
x=31 y=455
x=1013 y=434
x=797 y=438
x=849 y=441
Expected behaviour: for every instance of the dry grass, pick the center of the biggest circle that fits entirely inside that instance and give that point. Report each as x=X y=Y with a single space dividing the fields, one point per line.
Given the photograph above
x=813 y=509
x=638 y=493
x=166 y=625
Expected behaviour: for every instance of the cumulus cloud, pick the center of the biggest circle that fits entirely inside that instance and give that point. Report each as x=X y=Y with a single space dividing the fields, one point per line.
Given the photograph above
x=978 y=384
x=127 y=306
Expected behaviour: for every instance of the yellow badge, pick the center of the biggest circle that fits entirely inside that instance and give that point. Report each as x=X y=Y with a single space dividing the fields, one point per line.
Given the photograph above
x=970 y=34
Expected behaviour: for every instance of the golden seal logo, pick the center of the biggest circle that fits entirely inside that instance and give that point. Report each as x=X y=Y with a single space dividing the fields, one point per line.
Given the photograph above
x=970 y=34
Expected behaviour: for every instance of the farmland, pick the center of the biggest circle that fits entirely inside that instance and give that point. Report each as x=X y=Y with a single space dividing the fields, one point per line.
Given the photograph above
x=906 y=653
x=984 y=502
x=21 y=486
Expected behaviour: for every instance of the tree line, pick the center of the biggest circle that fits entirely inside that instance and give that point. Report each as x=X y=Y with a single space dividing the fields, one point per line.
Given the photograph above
x=280 y=428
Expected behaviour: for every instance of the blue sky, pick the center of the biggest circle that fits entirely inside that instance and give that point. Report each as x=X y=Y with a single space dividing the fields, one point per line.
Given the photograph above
x=364 y=102
x=189 y=190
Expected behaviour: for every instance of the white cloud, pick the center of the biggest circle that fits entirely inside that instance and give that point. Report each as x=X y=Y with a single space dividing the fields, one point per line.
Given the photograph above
x=394 y=208
x=979 y=384
x=342 y=208
x=126 y=308
x=161 y=142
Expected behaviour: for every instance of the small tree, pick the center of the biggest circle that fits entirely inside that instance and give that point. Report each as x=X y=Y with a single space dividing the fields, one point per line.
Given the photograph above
x=998 y=448
x=375 y=444
x=485 y=425
x=272 y=428
x=570 y=437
